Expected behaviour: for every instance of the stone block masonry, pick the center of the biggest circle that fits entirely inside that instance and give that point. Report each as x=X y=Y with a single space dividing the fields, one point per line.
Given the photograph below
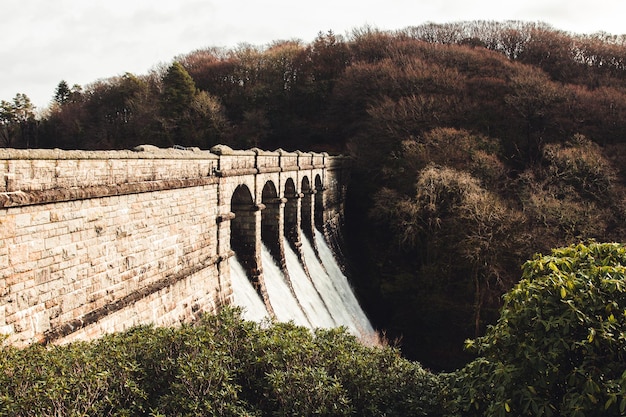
x=95 y=242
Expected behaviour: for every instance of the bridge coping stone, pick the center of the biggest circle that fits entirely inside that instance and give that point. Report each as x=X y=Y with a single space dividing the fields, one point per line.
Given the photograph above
x=139 y=152
x=48 y=169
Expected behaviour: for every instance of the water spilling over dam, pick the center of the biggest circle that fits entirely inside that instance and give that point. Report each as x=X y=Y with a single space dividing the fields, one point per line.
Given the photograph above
x=321 y=297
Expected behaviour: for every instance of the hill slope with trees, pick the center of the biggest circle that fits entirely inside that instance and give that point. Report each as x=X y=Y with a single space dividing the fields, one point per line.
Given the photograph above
x=475 y=145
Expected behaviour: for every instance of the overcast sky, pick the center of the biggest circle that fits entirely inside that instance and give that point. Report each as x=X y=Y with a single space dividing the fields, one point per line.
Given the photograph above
x=45 y=41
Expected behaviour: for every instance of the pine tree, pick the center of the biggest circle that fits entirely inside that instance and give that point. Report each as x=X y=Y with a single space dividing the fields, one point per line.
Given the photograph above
x=178 y=93
x=62 y=93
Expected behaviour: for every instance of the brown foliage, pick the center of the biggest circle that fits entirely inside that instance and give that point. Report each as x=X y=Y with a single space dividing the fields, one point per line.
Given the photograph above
x=580 y=164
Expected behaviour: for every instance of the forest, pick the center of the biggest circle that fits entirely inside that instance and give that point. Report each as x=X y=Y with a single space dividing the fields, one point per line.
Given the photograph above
x=475 y=146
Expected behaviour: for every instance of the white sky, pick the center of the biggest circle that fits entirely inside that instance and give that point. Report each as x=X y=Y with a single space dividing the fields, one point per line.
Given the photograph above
x=45 y=41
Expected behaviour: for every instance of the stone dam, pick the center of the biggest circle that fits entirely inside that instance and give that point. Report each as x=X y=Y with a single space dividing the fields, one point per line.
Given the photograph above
x=94 y=242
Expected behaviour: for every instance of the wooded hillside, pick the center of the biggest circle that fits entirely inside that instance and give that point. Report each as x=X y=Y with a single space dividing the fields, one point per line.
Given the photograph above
x=476 y=144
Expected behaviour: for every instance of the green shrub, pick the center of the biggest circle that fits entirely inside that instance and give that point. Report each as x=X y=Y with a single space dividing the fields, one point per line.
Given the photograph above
x=220 y=366
x=559 y=346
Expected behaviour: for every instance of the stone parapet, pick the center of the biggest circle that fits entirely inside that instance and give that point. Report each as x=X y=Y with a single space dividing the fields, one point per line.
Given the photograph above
x=40 y=170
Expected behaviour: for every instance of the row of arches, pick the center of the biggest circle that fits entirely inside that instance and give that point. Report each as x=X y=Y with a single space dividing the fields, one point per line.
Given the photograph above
x=280 y=217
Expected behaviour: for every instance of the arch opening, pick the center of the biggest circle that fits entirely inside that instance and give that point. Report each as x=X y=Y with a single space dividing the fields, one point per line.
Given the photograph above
x=307 y=207
x=243 y=231
x=270 y=220
x=318 y=211
x=291 y=212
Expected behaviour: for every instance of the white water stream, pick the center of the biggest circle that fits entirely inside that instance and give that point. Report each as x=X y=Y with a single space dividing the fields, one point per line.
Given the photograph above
x=244 y=294
x=334 y=288
x=309 y=298
x=326 y=300
x=282 y=300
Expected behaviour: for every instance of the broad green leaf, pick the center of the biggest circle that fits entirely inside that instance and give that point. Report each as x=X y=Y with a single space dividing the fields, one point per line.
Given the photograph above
x=553 y=267
x=591 y=335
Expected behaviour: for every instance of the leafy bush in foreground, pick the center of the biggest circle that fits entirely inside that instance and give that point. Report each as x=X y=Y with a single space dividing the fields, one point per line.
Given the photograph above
x=559 y=347
x=221 y=366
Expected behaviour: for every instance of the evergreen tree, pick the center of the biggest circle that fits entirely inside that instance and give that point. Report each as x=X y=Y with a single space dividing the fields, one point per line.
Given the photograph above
x=178 y=93
x=177 y=96
x=62 y=93
x=16 y=121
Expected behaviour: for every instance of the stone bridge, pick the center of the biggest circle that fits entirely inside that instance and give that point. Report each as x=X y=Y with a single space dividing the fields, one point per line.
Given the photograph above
x=96 y=242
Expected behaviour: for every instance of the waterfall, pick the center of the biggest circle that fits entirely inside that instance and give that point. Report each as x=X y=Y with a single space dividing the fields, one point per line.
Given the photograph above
x=281 y=298
x=325 y=300
x=343 y=287
x=307 y=294
x=334 y=288
x=244 y=294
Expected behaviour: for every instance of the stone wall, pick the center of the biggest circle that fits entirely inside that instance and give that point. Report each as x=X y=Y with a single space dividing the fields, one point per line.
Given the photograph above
x=94 y=242
x=335 y=186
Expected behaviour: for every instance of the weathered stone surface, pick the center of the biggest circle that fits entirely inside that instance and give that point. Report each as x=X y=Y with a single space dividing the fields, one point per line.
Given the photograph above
x=94 y=242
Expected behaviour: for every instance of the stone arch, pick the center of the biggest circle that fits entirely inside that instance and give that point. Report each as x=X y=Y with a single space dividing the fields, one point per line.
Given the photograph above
x=291 y=212
x=318 y=210
x=243 y=231
x=271 y=229
x=306 y=211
